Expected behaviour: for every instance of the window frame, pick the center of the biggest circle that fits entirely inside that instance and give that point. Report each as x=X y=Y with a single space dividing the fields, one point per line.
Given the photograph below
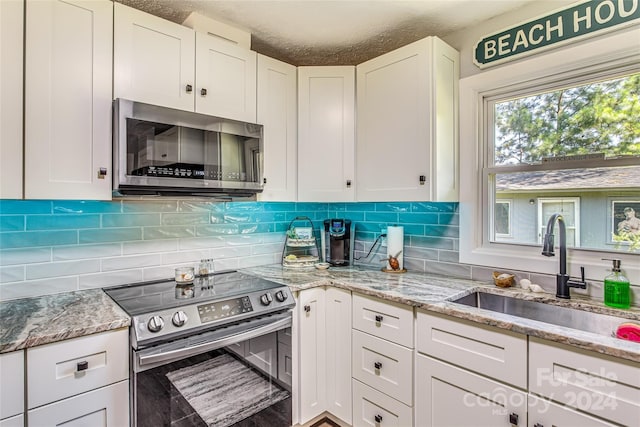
x=606 y=56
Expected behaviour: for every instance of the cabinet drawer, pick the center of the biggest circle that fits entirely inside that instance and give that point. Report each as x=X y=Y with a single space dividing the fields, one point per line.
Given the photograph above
x=17 y=421
x=53 y=368
x=383 y=365
x=372 y=408
x=104 y=407
x=489 y=351
x=386 y=320
x=604 y=386
x=450 y=396
x=543 y=412
x=12 y=384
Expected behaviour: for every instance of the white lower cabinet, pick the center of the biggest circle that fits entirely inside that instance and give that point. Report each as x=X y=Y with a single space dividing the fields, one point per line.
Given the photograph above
x=324 y=342
x=11 y=388
x=450 y=396
x=545 y=413
x=598 y=385
x=373 y=408
x=80 y=382
x=17 y=421
x=104 y=407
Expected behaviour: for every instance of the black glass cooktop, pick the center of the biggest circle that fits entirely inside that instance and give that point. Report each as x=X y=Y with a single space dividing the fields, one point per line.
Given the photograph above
x=147 y=297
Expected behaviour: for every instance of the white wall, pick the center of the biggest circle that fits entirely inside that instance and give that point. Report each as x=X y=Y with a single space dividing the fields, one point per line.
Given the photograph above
x=465 y=40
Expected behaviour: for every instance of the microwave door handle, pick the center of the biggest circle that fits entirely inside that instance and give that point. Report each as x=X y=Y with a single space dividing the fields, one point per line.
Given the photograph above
x=183 y=353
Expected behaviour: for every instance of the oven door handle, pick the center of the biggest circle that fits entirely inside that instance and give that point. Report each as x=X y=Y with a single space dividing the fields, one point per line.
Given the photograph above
x=183 y=353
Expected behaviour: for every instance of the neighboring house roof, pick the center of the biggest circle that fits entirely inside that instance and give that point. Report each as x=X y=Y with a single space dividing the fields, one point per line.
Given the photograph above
x=580 y=179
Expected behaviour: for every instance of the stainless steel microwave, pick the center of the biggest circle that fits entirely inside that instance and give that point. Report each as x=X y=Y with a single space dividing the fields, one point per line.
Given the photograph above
x=159 y=150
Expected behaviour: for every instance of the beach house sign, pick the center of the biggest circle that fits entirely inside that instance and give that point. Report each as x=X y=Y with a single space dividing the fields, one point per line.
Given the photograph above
x=562 y=26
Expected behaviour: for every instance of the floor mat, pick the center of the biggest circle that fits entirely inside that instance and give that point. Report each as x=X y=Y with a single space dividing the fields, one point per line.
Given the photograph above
x=224 y=391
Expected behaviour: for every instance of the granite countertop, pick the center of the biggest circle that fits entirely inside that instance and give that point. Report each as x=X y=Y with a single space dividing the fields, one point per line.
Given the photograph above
x=30 y=322
x=41 y=320
x=434 y=293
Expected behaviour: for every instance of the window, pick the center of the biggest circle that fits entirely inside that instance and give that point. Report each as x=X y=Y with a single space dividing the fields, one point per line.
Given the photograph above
x=559 y=132
x=502 y=221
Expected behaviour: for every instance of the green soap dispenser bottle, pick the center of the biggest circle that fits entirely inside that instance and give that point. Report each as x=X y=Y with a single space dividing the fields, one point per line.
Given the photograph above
x=617 y=292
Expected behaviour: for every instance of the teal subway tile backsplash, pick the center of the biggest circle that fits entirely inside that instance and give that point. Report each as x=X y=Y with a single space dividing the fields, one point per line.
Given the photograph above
x=12 y=223
x=62 y=222
x=34 y=239
x=8 y=207
x=128 y=240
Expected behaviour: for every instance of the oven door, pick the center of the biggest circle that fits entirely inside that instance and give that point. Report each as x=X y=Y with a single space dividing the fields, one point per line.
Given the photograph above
x=225 y=377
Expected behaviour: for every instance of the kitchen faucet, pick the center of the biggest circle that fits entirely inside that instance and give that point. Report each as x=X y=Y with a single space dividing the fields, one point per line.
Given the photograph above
x=563 y=280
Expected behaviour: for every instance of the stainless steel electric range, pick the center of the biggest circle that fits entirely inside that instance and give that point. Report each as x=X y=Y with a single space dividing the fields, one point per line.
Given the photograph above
x=207 y=353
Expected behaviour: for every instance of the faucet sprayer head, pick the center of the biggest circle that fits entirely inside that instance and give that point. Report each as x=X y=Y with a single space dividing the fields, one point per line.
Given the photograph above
x=547 y=245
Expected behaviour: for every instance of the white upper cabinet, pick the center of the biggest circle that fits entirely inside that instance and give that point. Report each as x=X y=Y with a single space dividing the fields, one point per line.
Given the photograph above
x=68 y=78
x=225 y=79
x=326 y=134
x=11 y=45
x=407 y=124
x=277 y=111
x=163 y=63
x=154 y=59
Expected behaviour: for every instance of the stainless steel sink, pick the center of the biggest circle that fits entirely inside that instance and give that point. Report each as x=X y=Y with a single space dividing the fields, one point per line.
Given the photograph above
x=561 y=316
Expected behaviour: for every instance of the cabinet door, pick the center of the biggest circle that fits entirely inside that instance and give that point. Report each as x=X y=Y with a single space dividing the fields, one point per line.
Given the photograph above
x=313 y=364
x=326 y=134
x=450 y=396
x=17 y=421
x=11 y=48
x=225 y=79
x=104 y=407
x=393 y=130
x=338 y=350
x=12 y=384
x=545 y=413
x=68 y=108
x=604 y=386
x=407 y=124
x=277 y=111
x=154 y=59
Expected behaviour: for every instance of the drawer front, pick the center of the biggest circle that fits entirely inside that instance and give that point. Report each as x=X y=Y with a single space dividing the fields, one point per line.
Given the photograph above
x=543 y=412
x=489 y=351
x=606 y=387
x=384 y=366
x=450 y=396
x=104 y=407
x=12 y=384
x=55 y=370
x=386 y=320
x=372 y=408
x=17 y=421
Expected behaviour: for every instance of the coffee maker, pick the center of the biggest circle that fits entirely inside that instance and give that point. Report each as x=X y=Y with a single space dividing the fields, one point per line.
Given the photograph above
x=337 y=242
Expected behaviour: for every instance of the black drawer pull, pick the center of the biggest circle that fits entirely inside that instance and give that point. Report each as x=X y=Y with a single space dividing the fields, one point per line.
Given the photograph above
x=203 y=92
x=82 y=366
x=378 y=365
x=378 y=318
x=307 y=308
x=513 y=419
x=189 y=88
x=378 y=418
x=538 y=425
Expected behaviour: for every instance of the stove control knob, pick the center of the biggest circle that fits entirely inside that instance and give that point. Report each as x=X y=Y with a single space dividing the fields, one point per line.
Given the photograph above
x=281 y=296
x=266 y=299
x=179 y=318
x=155 y=324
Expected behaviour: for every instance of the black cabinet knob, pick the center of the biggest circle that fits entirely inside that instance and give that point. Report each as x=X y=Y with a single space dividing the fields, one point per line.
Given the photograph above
x=538 y=425
x=513 y=419
x=189 y=88
x=102 y=173
x=348 y=183
x=82 y=366
x=378 y=418
x=423 y=179
x=378 y=318
x=307 y=308
x=377 y=365
x=203 y=92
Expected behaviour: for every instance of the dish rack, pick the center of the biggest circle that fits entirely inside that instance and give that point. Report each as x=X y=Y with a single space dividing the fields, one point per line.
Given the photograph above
x=300 y=246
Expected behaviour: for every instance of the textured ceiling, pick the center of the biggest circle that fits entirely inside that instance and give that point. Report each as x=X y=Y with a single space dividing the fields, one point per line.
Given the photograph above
x=334 y=32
